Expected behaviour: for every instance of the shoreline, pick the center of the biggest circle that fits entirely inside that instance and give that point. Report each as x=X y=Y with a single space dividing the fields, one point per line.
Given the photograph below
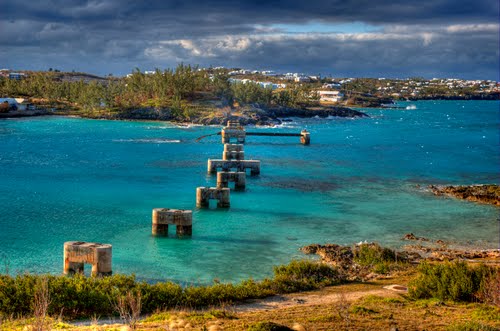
x=273 y=122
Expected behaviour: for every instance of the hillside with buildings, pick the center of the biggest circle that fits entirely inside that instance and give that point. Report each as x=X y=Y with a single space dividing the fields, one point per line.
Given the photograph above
x=205 y=95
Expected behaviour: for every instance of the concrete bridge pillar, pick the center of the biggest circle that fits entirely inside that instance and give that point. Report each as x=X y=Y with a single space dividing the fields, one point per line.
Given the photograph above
x=77 y=253
x=238 y=177
x=163 y=217
x=305 y=137
x=205 y=194
x=227 y=134
x=233 y=130
x=238 y=165
x=233 y=152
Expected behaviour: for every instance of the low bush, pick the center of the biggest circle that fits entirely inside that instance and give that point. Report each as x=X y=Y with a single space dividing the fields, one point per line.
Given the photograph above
x=373 y=254
x=450 y=281
x=304 y=275
x=268 y=326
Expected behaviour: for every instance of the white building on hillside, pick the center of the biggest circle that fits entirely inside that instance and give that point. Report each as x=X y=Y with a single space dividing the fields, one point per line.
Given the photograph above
x=330 y=96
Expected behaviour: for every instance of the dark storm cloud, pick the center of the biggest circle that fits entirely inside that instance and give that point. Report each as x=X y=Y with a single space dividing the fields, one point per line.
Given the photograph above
x=104 y=36
x=410 y=11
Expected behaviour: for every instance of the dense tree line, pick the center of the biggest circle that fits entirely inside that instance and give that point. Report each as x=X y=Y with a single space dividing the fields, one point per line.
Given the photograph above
x=175 y=89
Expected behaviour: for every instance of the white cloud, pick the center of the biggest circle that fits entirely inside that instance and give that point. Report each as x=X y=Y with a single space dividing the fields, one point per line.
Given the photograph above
x=458 y=28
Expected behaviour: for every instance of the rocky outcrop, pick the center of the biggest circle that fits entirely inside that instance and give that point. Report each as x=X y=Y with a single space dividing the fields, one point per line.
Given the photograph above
x=357 y=262
x=160 y=114
x=351 y=260
x=441 y=252
x=489 y=194
x=26 y=113
x=247 y=115
x=321 y=112
x=411 y=236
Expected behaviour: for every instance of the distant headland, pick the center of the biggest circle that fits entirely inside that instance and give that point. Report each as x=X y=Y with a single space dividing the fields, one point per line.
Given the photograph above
x=190 y=94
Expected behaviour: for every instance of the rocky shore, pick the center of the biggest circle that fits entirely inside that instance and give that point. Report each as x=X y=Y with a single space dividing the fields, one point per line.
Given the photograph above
x=352 y=260
x=489 y=194
x=248 y=115
x=26 y=113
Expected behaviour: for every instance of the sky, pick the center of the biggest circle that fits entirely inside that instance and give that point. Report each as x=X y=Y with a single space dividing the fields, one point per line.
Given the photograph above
x=339 y=38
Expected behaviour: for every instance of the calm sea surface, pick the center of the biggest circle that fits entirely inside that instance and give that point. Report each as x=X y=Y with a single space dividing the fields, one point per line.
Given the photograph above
x=65 y=179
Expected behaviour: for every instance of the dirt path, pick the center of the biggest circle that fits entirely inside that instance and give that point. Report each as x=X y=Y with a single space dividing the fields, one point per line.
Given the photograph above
x=309 y=299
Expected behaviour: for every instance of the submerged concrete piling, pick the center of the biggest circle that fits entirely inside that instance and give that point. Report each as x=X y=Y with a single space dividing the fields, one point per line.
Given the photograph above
x=238 y=165
x=238 y=177
x=205 y=194
x=233 y=152
x=78 y=253
x=163 y=217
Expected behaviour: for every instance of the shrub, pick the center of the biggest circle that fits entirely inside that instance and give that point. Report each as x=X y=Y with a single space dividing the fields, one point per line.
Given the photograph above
x=360 y=310
x=304 y=275
x=268 y=326
x=449 y=281
x=373 y=254
x=490 y=289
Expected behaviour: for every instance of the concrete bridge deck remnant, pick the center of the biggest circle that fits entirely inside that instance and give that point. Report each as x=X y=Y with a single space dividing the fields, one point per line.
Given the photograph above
x=163 y=217
x=234 y=131
x=238 y=177
x=233 y=152
x=238 y=165
x=205 y=194
x=77 y=253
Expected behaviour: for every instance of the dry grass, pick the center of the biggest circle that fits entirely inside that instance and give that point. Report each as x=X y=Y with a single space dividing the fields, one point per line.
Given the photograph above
x=41 y=304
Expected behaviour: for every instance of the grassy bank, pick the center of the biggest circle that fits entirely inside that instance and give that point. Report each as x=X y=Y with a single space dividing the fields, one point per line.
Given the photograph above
x=42 y=302
x=79 y=296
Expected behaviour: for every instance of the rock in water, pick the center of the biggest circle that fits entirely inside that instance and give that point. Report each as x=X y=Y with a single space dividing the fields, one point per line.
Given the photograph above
x=489 y=193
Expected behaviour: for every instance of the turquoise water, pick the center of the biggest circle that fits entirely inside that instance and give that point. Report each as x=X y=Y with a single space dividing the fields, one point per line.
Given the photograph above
x=65 y=179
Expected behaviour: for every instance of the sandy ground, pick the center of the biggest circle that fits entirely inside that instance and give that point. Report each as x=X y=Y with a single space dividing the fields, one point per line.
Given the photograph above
x=310 y=299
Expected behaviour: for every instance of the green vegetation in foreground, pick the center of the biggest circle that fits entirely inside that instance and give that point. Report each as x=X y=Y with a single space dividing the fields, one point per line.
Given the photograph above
x=456 y=281
x=79 y=296
x=435 y=287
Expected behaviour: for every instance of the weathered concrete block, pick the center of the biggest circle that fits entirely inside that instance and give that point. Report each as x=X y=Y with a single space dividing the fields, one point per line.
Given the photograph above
x=233 y=148
x=238 y=165
x=305 y=137
x=239 y=179
x=233 y=155
x=77 y=253
x=230 y=134
x=205 y=194
x=163 y=217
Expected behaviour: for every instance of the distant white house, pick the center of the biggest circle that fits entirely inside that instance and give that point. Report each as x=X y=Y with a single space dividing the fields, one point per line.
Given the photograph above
x=16 y=75
x=17 y=103
x=330 y=96
x=332 y=85
x=301 y=79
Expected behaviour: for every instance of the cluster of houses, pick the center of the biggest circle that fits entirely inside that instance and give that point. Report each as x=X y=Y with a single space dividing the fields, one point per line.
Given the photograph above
x=270 y=85
x=326 y=96
x=413 y=87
